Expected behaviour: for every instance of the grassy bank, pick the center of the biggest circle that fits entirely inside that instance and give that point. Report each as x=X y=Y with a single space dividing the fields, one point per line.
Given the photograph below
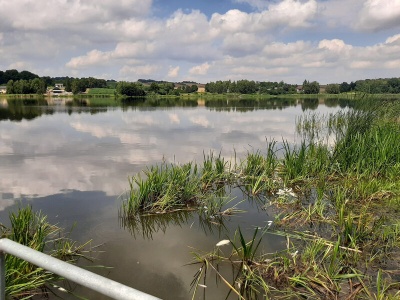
x=336 y=195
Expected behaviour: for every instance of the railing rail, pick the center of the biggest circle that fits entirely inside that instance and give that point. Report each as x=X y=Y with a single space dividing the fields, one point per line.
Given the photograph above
x=68 y=271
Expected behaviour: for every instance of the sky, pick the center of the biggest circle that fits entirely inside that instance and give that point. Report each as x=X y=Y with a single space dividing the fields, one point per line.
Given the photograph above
x=329 y=41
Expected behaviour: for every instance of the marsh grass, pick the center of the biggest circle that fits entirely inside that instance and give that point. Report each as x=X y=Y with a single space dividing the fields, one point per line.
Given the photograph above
x=336 y=194
x=164 y=188
x=29 y=228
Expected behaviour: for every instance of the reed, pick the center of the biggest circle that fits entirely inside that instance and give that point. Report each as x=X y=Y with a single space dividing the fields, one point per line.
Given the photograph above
x=29 y=228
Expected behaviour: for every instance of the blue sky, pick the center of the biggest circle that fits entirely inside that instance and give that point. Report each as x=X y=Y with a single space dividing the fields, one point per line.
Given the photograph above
x=290 y=40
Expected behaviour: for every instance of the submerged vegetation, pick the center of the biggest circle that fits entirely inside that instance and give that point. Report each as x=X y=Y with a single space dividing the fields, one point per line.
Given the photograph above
x=336 y=195
x=29 y=228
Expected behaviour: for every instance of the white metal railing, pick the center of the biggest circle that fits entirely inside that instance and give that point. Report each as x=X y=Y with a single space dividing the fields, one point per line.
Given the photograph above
x=81 y=276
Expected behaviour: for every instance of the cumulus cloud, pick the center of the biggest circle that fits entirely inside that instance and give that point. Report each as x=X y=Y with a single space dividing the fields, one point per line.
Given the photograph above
x=393 y=39
x=33 y=15
x=287 y=13
x=379 y=14
x=173 y=72
x=334 y=45
x=200 y=69
x=94 y=57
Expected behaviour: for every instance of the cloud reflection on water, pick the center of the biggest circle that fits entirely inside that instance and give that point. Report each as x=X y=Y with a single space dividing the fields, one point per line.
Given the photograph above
x=97 y=152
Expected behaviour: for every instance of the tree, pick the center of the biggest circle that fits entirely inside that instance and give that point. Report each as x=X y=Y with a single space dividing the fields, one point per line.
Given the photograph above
x=11 y=75
x=310 y=87
x=154 y=87
x=130 y=89
x=26 y=75
x=344 y=87
x=246 y=86
x=10 y=87
x=77 y=86
x=38 y=86
x=191 y=88
x=68 y=84
x=332 y=89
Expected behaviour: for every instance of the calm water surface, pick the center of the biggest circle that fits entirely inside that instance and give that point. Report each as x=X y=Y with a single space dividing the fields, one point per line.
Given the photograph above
x=72 y=160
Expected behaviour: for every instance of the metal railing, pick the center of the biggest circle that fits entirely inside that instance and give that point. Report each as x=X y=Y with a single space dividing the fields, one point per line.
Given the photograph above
x=81 y=276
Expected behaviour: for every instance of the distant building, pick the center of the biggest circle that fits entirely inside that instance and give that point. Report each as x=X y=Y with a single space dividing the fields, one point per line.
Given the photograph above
x=58 y=90
x=3 y=89
x=201 y=88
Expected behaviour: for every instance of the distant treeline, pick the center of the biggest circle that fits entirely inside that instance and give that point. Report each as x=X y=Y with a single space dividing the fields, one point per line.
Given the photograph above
x=250 y=87
x=26 y=82
x=371 y=86
x=131 y=89
x=15 y=75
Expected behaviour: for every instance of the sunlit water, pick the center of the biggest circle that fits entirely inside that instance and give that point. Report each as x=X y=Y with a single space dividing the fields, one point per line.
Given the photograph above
x=72 y=161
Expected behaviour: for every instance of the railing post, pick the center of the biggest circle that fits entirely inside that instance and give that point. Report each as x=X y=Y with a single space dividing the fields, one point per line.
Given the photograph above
x=2 y=276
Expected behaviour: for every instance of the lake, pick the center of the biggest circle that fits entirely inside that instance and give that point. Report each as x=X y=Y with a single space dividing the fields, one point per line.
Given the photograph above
x=72 y=159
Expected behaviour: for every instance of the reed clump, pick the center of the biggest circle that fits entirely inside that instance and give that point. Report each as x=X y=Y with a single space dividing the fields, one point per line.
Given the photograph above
x=30 y=228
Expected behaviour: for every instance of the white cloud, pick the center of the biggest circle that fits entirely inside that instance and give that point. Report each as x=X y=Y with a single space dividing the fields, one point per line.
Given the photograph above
x=334 y=45
x=94 y=57
x=200 y=69
x=278 y=49
x=173 y=72
x=287 y=13
x=19 y=65
x=379 y=14
x=393 y=64
x=33 y=15
x=339 y=13
x=393 y=39
x=139 y=71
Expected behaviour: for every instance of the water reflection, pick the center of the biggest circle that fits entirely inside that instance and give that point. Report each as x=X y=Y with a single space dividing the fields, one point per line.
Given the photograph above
x=71 y=159
x=16 y=109
x=248 y=104
x=146 y=225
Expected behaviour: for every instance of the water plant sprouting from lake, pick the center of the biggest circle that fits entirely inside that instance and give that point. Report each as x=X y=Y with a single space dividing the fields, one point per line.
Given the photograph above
x=30 y=228
x=335 y=198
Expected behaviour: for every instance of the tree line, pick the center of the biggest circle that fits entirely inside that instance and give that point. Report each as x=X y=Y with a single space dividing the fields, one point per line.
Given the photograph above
x=26 y=82
x=132 y=89
x=250 y=87
x=22 y=86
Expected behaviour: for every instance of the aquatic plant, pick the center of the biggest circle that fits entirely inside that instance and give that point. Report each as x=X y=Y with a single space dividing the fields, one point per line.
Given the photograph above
x=29 y=228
